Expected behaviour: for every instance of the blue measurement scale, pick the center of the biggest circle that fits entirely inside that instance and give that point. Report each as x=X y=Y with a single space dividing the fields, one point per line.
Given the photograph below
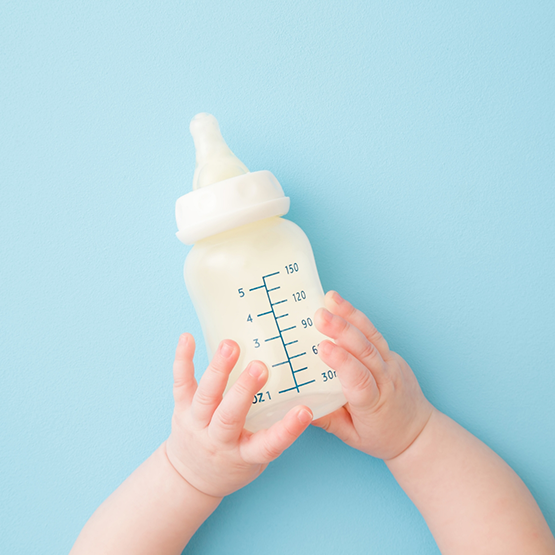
x=285 y=335
x=277 y=313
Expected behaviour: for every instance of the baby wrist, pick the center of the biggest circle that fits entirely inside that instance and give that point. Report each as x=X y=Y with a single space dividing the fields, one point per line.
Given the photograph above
x=411 y=446
x=176 y=468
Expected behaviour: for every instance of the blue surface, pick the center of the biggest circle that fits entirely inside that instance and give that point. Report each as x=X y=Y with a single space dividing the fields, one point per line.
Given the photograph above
x=416 y=143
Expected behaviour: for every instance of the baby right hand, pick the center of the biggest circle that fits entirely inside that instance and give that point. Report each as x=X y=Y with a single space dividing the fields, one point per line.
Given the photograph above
x=386 y=409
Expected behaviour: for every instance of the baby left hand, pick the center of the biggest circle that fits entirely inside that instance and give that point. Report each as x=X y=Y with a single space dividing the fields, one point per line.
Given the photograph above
x=208 y=445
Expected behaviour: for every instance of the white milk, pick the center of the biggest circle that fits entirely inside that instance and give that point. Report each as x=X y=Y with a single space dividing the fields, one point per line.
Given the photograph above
x=252 y=278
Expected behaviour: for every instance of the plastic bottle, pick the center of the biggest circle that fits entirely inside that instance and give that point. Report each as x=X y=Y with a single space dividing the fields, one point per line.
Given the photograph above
x=252 y=278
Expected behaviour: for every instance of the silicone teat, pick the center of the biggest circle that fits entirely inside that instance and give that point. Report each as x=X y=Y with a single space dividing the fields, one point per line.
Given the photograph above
x=215 y=161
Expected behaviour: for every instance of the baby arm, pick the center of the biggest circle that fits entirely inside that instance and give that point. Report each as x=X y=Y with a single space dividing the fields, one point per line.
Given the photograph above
x=472 y=501
x=207 y=456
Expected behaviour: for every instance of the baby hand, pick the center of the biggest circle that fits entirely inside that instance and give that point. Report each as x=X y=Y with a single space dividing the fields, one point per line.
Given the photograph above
x=208 y=445
x=386 y=409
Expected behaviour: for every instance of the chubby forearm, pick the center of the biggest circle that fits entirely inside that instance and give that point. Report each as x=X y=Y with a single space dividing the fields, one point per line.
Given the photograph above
x=472 y=501
x=154 y=511
x=208 y=455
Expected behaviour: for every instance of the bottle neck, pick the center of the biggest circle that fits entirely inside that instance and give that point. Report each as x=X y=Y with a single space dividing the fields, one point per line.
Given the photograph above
x=240 y=231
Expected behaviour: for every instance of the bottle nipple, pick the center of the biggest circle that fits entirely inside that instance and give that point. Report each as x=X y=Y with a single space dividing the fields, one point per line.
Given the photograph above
x=214 y=160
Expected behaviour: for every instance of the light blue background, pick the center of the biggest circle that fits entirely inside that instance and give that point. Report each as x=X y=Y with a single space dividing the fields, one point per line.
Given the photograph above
x=417 y=144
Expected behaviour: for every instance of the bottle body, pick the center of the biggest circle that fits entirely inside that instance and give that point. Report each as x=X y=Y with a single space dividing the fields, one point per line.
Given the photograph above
x=258 y=285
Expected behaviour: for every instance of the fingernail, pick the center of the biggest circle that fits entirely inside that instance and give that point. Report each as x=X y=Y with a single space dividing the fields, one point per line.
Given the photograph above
x=255 y=370
x=305 y=417
x=226 y=349
x=183 y=338
x=326 y=315
x=337 y=298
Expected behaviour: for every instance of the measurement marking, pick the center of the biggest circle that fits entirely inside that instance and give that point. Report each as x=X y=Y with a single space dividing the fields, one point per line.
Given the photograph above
x=298 y=355
x=287 y=329
x=274 y=288
x=290 y=389
x=301 y=369
x=277 y=326
x=291 y=342
x=272 y=338
x=255 y=288
x=278 y=317
x=280 y=363
x=297 y=387
x=264 y=314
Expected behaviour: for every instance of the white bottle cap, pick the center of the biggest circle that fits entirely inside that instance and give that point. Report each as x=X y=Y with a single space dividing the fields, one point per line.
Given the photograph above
x=228 y=204
x=225 y=195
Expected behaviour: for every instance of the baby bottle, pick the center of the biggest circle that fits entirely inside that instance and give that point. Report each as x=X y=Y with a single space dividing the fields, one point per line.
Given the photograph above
x=252 y=278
